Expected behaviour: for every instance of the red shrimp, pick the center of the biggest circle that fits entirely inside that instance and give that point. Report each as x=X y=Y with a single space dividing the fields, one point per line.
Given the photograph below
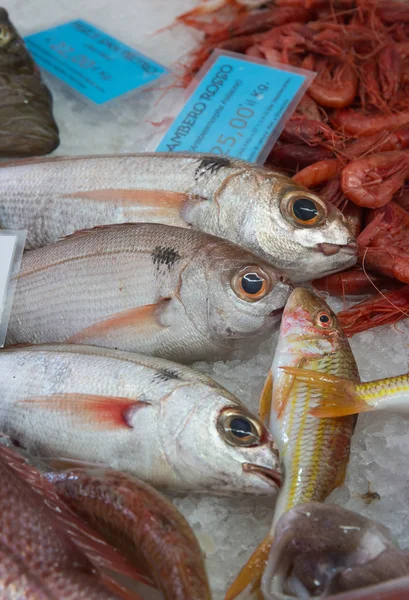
x=296 y=156
x=318 y=173
x=373 y=181
x=383 y=309
x=355 y=123
x=311 y=132
x=389 y=68
x=384 y=243
x=402 y=198
x=260 y=20
x=392 y=12
x=336 y=84
x=355 y=282
x=333 y=194
x=382 y=141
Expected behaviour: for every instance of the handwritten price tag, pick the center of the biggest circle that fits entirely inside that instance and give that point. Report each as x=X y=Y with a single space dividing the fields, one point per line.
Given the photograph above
x=238 y=108
x=93 y=63
x=11 y=251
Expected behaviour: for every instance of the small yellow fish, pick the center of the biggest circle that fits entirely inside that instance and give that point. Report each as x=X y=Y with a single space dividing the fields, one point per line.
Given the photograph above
x=314 y=452
x=340 y=396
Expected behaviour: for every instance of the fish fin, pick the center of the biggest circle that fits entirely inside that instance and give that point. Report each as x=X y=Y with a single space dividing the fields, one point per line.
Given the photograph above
x=341 y=474
x=88 y=540
x=129 y=197
x=119 y=590
x=339 y=398
x=281 y=397
x=91 y=410
x=60 y=463
x=142 y=318
x=252 y=571
x=266 y=398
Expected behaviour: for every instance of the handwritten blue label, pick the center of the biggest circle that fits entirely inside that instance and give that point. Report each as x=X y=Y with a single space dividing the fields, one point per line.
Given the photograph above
x=236 y=109
x=92 y=62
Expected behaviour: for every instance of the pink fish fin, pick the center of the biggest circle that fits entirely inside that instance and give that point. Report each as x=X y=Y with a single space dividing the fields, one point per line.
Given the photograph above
x=252 y=571
x=281 y=396
x=143 y=319
x=90 y=410
x=116 y=588
x=88 y=540
x=60 y=463
x=154 y=199
x=338 y=397
x=266 y=399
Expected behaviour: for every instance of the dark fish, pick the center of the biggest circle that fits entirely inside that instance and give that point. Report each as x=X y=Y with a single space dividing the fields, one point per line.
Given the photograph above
x=27 y=126
x=323 y=550
x=38 y=558
x=142 y=524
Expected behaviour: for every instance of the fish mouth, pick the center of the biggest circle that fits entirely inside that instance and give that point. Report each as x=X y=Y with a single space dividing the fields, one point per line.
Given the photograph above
x=272 y=477
x=277 y=312
x=331 y=249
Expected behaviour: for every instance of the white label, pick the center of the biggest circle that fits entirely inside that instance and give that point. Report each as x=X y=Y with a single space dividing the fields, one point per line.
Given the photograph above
x=11 y=250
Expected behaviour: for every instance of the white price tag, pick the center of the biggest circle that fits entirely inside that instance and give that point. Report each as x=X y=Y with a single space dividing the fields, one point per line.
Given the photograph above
x=11 y=251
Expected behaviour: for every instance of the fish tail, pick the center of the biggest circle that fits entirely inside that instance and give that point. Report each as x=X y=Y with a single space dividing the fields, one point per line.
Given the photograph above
x=252 y=571
x=339 y=396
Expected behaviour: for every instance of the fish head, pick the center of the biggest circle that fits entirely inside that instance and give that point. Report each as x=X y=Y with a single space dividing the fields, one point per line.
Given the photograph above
x=300 y=233
x=213 y=443
x=322 y=549
x=7 y=31
x=309 y=328
x=235 y=295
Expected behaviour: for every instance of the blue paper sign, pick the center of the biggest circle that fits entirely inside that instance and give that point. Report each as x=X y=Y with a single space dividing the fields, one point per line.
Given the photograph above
x=238 y=109
x=92 y=62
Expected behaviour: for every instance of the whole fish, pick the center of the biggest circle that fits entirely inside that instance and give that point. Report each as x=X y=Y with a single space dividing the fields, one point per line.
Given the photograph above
x=167 y=424
x=264 y=211
x=27 y=126
x=155 y=289
x=314 y=452
x=38 y=559
x=142 y=524
x=340 y=396
x=327 y=551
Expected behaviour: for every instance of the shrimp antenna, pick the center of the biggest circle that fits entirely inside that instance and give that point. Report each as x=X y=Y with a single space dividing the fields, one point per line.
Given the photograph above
x=378 y=290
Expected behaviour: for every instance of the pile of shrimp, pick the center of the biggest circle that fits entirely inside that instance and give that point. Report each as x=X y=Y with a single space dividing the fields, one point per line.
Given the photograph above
x=349 y=137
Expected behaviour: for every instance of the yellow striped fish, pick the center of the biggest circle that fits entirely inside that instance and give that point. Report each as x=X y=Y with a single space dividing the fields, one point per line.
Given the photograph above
x=314 y=452
x=340 y=396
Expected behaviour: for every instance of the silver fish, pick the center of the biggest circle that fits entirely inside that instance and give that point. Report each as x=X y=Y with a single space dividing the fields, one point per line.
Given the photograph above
x=264 y=211
x=164 y=423
x=160 y=290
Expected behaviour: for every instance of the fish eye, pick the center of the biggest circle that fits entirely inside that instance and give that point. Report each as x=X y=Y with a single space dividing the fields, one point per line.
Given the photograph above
x=304 y=211
x=5 y=35
x=251 y=284
x=238 y=429
x=324 y=320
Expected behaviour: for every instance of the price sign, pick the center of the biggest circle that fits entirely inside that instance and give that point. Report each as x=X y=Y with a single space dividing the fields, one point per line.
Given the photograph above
x=11 y=251
x=238 y=108
x=92 y=62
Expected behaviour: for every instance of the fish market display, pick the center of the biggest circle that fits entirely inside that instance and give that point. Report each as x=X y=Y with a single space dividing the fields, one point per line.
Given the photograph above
x=314 y=452
x=258 y=209
x=27 y=126
x=348 y=140
x=142 y=524
x=38 y=560
x=164 y=423
x=155 y=289
x=323 y=550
